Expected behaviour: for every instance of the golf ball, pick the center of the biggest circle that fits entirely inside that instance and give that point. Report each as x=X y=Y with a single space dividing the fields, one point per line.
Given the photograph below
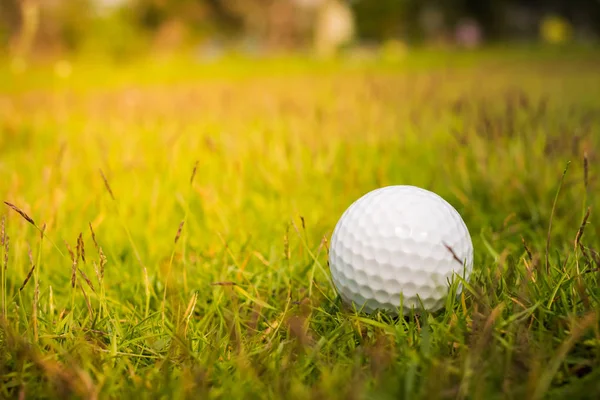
x=399 y=246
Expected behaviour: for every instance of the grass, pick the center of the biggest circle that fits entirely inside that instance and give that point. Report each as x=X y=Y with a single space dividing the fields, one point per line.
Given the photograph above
x=168 y=238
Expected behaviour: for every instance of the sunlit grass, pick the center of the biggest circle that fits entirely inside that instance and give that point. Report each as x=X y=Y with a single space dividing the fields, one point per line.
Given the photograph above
x=258 y=170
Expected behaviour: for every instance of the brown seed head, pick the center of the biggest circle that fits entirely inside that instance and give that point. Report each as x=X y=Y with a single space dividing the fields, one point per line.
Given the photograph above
x=73 y=274
x=30 y=270
x=107 y=185
x=103 y=262
x=178 y=235
x=73 y=265
x=97 y=271
x=582 y=227
x=70 y=252
x=526 y=248
x=80 y=248
x=93 y=236
x=194 y=172
x=86 y=279
x=2 y=230
x=27 y=278
x=6 y=249
x=21 y=213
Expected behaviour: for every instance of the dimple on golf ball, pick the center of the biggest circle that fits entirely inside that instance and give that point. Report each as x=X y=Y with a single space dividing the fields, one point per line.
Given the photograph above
x=399 y=246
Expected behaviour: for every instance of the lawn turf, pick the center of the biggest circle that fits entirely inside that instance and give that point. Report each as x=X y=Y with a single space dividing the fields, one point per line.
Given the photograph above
x=178 y=226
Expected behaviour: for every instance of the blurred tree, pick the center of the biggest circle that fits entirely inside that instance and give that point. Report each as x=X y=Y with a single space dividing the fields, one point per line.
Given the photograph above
x=69 y=22
x=43 y=25
x=278 y=24
x=382 y=19
x=120 y=26
x=10 y=21
x=25 y=28
x=151 y=15
x=413 y=20
x=229 y=21
x=417 y=20
x=115 y=34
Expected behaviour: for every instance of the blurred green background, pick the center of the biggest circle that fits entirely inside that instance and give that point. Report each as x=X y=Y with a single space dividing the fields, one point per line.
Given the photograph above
x=208 y=29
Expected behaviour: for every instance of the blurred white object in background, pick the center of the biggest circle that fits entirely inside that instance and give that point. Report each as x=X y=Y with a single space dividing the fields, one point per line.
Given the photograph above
x=309 y=4
x=334 y=27
x=105 y=7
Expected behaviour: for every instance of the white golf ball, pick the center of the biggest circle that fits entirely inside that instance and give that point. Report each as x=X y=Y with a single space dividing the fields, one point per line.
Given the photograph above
x=399 y=246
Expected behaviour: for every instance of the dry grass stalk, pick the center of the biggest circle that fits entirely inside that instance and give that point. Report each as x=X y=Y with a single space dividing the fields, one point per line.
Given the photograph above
x=87 y=301
x=2 y=230
x=93 y=236
x=582 y=227
x=74 y=265
x=30 y=270
x=188 y=312
x=97 y=271
x=70 y=251
x=86 y=279
x=30 y=254
x=102 y=257
x=596 y=257
x=178 y=235
x=584 y=251
x=107 y=185
x=223 y=284
x=194 y=172
x=103 y=261
x=6 y=250
x=21 y=213
x=80 y=248
x=527 y=249
x=27 y=278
